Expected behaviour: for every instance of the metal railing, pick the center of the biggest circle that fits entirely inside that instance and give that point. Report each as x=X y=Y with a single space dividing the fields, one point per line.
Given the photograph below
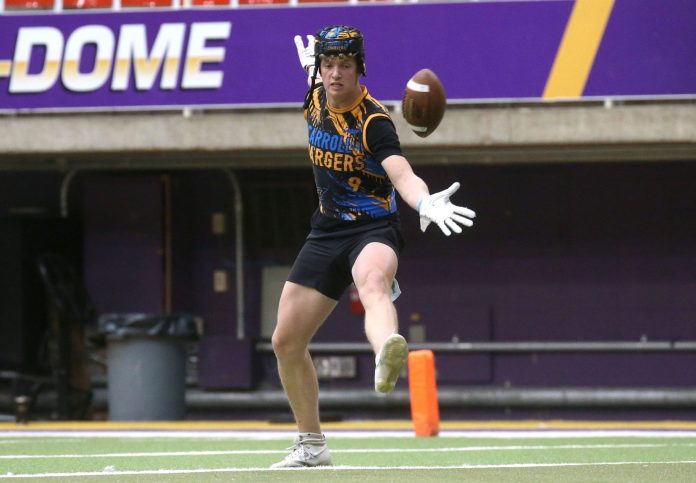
x=457 y=397
x=506 y=347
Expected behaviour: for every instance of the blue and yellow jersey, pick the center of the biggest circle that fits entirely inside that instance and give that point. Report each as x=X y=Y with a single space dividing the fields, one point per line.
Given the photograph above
x=350 y=180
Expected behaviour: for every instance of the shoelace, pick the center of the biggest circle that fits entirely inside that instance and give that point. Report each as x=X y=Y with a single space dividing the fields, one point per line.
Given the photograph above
x=299 y=448
x=299 y=453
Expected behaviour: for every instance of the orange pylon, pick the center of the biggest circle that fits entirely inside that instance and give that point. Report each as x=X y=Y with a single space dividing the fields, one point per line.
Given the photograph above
x=425 y=410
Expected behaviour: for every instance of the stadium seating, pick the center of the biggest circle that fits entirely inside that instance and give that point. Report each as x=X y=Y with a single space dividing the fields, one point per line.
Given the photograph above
x=29 y=4
x=261 y=2
x=146 y=3
x=79 y=4
x=210 y=3
x=128 y=4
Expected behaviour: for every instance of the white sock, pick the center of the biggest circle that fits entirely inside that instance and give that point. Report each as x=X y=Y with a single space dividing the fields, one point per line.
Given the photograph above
x=312 y=436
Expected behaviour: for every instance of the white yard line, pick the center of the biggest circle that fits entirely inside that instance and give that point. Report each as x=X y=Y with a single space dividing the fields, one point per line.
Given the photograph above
x=348 y=451
x=342 y=468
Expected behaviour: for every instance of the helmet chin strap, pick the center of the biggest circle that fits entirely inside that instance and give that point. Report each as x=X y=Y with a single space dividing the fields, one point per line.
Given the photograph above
x=308 y=97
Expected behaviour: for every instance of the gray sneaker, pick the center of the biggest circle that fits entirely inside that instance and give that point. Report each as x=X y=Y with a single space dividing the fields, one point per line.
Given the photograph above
x=389 y=362
x=309 y=449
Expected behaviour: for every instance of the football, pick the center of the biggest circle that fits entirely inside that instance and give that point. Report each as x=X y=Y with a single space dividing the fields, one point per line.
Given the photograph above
x=424 y=102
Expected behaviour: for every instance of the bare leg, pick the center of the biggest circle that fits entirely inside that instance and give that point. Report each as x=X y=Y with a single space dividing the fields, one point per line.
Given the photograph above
x=373 y=273
x=301 y=312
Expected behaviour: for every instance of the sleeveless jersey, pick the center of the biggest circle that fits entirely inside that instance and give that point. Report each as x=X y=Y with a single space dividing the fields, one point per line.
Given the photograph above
x=351 y=183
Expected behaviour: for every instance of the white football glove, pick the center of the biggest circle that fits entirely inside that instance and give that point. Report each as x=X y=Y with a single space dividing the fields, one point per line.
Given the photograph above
x=438 y=209
x=306 y=54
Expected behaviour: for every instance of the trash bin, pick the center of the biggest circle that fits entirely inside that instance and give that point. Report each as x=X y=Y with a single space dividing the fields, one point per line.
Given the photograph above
x=146 y=365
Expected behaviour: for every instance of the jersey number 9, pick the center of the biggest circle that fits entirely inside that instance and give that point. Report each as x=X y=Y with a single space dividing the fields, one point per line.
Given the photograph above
x=354 y=182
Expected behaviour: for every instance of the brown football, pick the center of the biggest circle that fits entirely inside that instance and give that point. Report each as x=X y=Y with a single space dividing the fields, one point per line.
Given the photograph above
x=424 y=101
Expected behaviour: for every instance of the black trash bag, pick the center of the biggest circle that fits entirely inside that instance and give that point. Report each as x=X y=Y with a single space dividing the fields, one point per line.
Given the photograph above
x=120 y=326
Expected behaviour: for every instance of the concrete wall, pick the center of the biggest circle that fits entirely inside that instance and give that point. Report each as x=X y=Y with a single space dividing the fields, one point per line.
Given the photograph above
x=477 y=134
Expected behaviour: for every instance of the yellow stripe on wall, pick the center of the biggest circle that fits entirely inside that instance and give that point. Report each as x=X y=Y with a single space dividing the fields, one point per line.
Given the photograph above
x=578 y=49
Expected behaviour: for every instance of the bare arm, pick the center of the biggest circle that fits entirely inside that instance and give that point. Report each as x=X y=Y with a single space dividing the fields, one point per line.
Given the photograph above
x=410 y=187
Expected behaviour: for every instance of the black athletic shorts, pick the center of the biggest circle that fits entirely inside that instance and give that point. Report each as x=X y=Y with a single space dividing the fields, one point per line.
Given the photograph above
x=327 y=256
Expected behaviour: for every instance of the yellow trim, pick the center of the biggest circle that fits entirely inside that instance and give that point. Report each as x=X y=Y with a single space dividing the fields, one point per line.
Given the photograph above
x=578 y=49
x=364 y=133
x=344 y=425
x=356 y=103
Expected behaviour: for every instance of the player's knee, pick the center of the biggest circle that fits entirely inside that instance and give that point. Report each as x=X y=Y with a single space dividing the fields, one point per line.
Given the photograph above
x=285 y=346
x=280 y=343
x=374 y=288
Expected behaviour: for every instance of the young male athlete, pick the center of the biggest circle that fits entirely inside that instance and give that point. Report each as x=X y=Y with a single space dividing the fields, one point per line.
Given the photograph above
x=355 y=233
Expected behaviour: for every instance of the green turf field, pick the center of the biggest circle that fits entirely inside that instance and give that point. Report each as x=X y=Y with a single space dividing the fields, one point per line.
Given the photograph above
x=396 y=456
